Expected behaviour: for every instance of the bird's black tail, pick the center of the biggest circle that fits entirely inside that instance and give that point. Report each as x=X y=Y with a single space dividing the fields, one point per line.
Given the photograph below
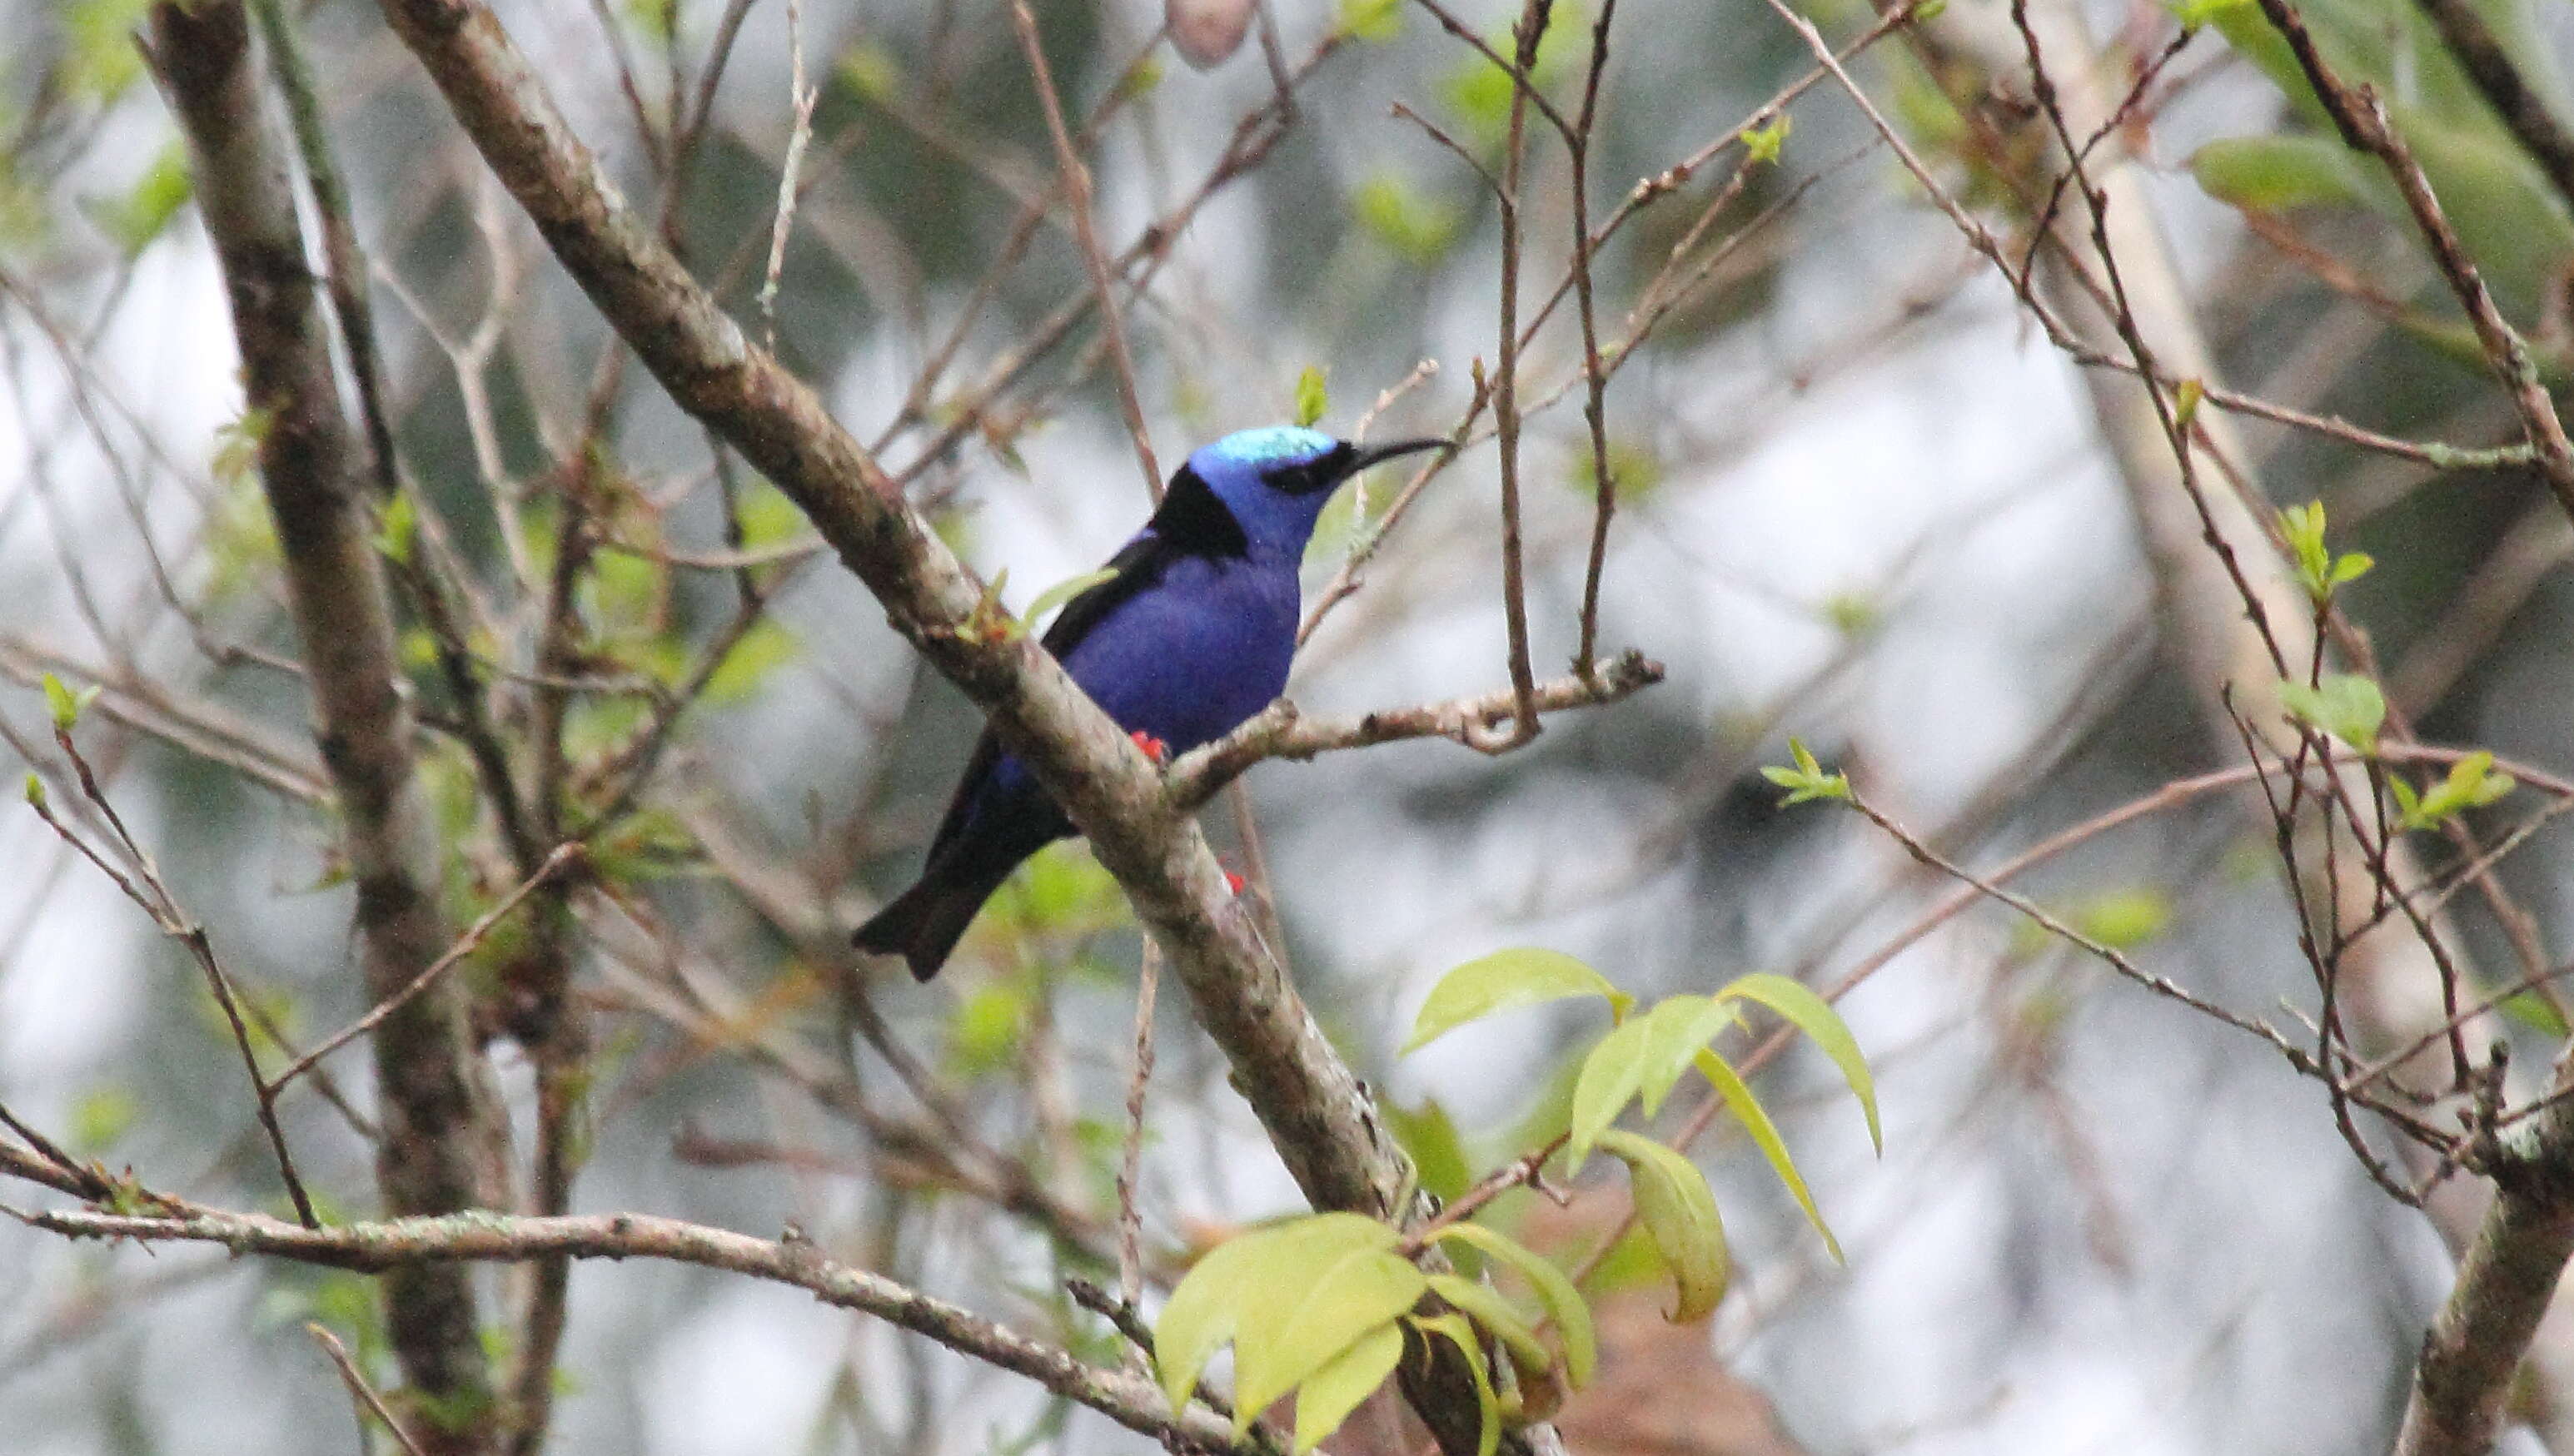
x=923 y=923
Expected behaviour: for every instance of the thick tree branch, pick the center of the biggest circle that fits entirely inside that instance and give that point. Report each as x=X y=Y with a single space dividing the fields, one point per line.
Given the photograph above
x=397 y=1245
x=2471 y=1357
x=314 y=471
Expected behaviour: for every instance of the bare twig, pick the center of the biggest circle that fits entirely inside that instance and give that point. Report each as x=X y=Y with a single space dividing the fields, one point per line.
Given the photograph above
x=359 y=1389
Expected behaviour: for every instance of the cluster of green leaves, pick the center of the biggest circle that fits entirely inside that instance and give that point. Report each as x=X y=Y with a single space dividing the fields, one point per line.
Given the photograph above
x=2512 y=222
x=1808 y=779
x=2346 y=705
x=1326 y=1306
x=2471 y=784
x=2320 y=571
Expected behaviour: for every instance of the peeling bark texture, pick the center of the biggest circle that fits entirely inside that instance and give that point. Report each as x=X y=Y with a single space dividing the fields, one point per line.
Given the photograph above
x=2390 y=984
x=1314 y=1109
x=313 y=472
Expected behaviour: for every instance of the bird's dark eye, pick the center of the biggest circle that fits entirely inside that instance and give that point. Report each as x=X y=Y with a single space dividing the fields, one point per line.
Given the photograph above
x=1322 y=473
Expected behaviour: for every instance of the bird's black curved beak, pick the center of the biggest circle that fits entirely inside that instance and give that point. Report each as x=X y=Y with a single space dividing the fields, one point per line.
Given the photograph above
x=1366 y=455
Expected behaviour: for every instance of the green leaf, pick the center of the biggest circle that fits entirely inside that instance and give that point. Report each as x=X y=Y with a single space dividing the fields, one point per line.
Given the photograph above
x=2280 y=173
x=2471 y=784
x=1678 y=1029
x=1461 y=1335
x=758 y=652
x=1564 y=1303
x=1438 y=1152
x=1328 y=1397
x=135 y=218
x=101 y=1118
x=1246 y=1274
x=65 y=704
x=1822 y=1025
x=1808 y=779
x=2195 y=13
x=2345 y=705
x=1611 y=1077
x=1312 y=399
x=1761 y=144
x=1755 y=1119
x=988 y=1027
x=1343 y=1298
x=2185 y=402
x=1064 y=591
x=399 y=531
x=1526 y=975
x=1488 y=1309
x=2123 y=920
x=1372 y=20
x=1417 y=229
x=35 y=792
x=101 y=59
x=1678 y=1211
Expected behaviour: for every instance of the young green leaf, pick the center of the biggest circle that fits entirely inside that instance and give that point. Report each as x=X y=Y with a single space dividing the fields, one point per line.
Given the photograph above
x=1611 y=1077
x=1438 y=1151
x=1458 y=1332
x=1502 y=979
x=1312 y=399
x=2345 y=705
x=1244 y=1274
x=1334 y=1392
x=1564 y=1305
x=1677 y=1029
x=65 y=704
x=1372 y=20
x=399 y=529
x=1065 y=590
x=2471 y=784
x=1808 y=779
x=2185 y=402
x=1342 y=1298
x=1822 y=1025
x=1762 y=144
x=1488 y=1309
x=1748 y=1111
x=1678 y=1211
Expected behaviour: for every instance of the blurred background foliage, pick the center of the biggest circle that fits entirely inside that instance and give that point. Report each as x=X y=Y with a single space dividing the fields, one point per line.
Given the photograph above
x=1861 y=499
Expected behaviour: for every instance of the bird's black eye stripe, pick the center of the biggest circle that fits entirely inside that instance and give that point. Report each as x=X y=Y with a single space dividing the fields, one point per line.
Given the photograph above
x=1322 y=473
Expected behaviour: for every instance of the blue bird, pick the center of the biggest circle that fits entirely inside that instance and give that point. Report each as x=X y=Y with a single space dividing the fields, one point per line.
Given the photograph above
x=1190 y=636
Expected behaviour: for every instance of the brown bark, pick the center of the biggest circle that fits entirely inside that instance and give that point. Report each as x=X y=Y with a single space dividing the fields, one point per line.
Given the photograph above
x=313 y=472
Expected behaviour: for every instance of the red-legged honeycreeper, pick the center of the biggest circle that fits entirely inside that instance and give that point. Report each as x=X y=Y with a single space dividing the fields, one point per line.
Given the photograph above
x=1190 y=636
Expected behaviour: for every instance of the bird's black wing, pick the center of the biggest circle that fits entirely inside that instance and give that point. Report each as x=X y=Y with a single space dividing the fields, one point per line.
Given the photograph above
x=1190 y=522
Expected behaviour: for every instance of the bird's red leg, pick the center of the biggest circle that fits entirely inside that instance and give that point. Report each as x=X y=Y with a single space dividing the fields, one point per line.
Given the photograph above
x=1154 y=748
